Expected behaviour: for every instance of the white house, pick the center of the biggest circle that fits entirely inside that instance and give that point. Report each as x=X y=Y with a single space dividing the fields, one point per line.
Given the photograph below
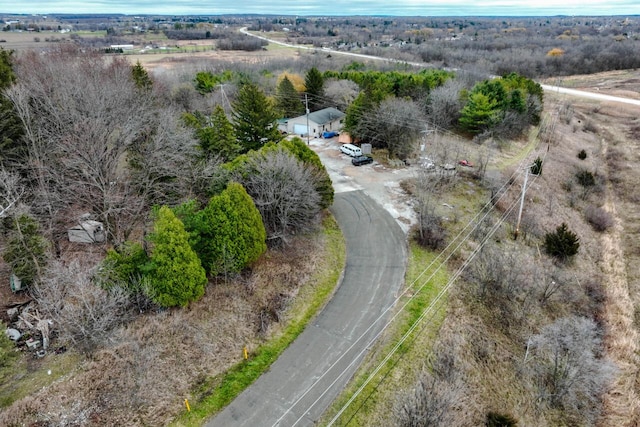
x=319 y=121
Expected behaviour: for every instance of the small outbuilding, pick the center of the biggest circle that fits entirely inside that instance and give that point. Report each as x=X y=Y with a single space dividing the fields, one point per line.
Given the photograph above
x=88 y=231
x=327 y=119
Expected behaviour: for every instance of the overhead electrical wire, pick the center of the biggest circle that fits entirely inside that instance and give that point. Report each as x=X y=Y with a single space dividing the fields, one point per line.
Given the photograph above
x=483 y=212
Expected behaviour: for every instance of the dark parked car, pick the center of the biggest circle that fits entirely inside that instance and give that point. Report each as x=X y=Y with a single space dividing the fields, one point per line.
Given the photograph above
x=361 y=160
x=329 y=134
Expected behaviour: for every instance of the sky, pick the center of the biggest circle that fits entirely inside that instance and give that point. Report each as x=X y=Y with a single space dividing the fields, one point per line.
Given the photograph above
x=335 y=7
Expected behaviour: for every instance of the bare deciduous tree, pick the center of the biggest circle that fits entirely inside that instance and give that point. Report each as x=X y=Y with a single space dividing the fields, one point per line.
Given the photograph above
x=83 y=313
x=341 y=93
x=444 y=104
x=395 y=124
x=284 y=192
x=11 y=190
x=84 y=121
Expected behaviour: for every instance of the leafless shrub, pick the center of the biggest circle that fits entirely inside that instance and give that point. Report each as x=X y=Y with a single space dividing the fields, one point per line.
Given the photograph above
x=83 y=313
x=567 y=365
x=616 y=165
x=566 y=112
x=590 y=126
x=504 y=280
x=431 y=403
x=600 y=219
x=430 y=231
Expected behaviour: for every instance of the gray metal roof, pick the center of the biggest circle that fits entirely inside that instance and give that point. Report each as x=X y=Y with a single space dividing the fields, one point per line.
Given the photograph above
x=326 y=115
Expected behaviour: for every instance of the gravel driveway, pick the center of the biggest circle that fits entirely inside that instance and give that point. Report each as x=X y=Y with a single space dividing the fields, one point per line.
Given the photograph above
x=380 y=183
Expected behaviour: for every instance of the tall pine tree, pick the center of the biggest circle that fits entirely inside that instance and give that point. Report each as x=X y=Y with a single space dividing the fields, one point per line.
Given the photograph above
x=11 y=129
x=288 y=100
x=141 y=77
x=254 y=118
x=314 y=83
x=479 y=114
x=218 y=138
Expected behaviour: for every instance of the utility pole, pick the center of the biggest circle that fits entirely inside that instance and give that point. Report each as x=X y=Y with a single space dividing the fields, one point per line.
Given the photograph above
x=524 y=188
x=306 y=105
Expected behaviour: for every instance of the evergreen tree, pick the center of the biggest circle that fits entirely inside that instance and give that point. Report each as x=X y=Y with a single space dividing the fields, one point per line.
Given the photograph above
x=228 y=234
x=11 y=129
x=314 y=83
x=368 y=100
x=246 y=226
x=517 y=102
x=562 y=244
x=254 y=118
x=479 y=114
x=288 y=99
x=536 y=167
x=141 y=77
x=175 y=272
x=8 y=354
x=218 y=138
x=126 y=263
x=26 y=250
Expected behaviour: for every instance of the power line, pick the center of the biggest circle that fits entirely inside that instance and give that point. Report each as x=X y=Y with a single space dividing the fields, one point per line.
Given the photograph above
x=423 y=315
x=486 y=211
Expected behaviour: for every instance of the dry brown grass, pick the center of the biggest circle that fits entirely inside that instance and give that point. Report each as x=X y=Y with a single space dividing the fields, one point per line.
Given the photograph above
x=158 y=360
x=604 y=277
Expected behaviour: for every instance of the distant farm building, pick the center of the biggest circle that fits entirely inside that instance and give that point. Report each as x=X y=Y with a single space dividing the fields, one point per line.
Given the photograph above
x=122 y=46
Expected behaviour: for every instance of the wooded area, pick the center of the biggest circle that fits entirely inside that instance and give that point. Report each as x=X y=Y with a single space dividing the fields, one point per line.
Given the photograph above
x=207 y=207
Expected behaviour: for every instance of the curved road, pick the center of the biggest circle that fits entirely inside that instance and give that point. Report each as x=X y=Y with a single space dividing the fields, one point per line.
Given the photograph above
x=306 y=378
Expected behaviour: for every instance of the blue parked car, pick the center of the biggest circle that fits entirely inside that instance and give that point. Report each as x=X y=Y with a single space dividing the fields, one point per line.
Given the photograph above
x=329 y=134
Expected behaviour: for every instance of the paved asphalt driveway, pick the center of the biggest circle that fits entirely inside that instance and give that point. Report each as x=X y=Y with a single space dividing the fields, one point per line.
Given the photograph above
x=307 y=377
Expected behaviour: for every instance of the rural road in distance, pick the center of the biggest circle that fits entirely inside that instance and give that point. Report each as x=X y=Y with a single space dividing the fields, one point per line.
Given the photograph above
x=309 y=374
x=548 y=88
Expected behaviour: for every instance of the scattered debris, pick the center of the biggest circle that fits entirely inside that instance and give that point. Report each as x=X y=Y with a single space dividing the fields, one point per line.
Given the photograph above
x=88 y=231
x=13 y=334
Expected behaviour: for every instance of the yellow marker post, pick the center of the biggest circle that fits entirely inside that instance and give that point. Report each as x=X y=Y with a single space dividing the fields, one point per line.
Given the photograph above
x=186 y=403
x=246 y=354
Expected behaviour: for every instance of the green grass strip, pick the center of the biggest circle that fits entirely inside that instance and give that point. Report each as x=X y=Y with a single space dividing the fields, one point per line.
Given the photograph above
x=374 y=402
x=229 y=385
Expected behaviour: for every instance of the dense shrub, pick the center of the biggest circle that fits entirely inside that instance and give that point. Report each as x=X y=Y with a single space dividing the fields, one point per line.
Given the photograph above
x=562 y=243
x=175 y=271
x=585 y=178
x=536 y=167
